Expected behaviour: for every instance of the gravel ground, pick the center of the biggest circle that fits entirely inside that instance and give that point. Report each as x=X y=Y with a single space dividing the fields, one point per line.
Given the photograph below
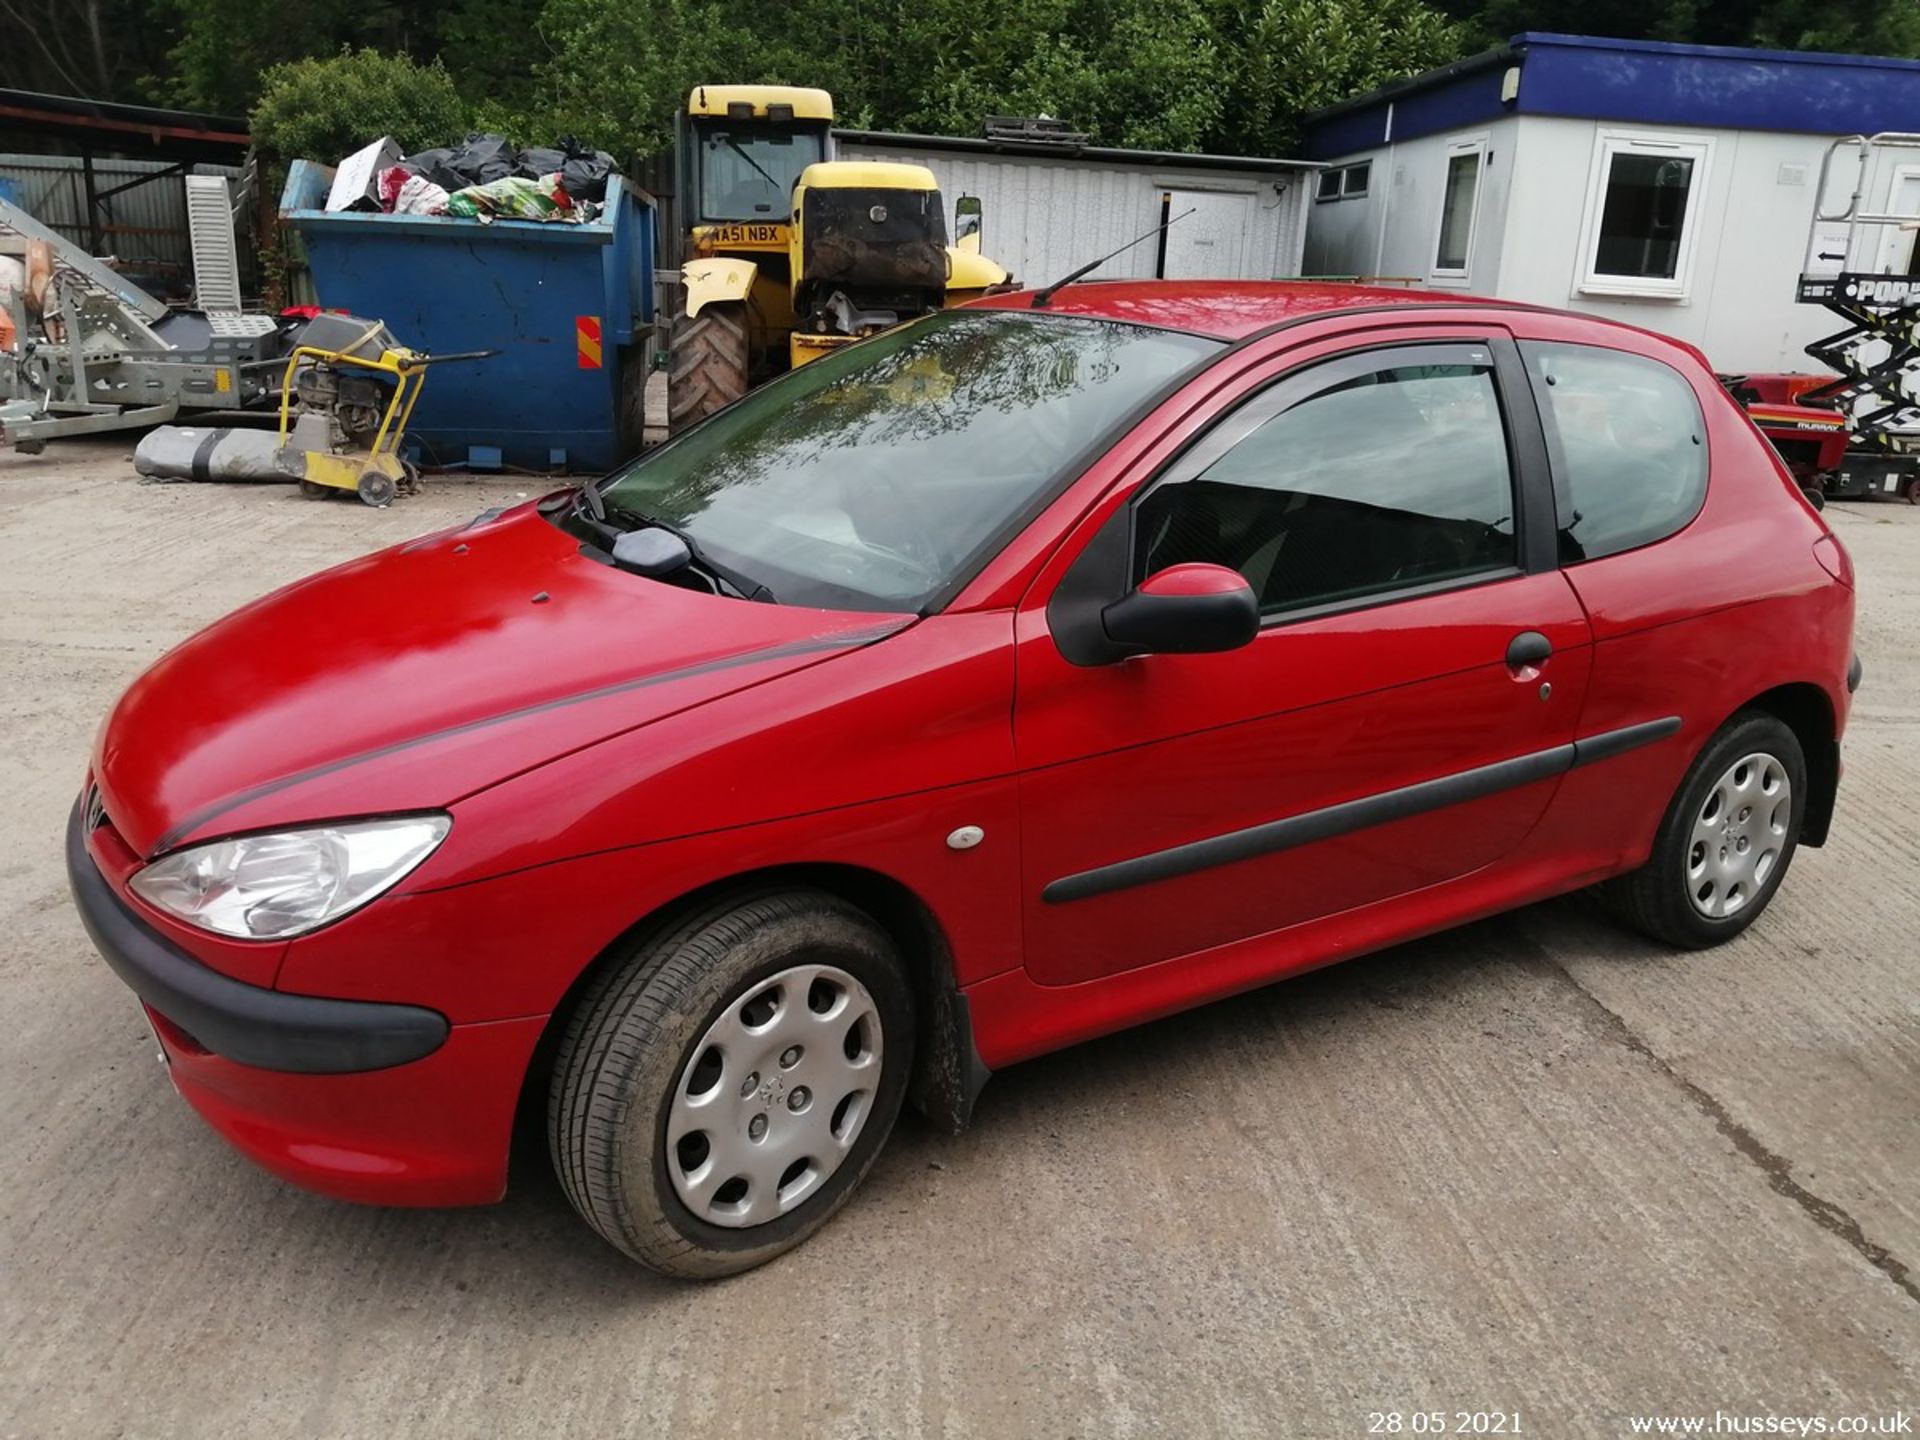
x=1534 y=1166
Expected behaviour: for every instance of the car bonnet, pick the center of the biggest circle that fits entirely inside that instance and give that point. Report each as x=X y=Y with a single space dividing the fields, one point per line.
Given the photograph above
x=420 y=674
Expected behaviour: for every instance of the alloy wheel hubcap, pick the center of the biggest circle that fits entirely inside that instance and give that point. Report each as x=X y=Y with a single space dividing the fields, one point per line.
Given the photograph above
x=773 y=1097
x=1738 y=836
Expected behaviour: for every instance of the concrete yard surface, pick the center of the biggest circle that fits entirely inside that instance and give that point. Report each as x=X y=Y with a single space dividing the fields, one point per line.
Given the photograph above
x=1537 y=1166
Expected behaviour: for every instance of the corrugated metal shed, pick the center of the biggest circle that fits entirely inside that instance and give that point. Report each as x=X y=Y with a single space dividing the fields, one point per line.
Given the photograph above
x=145 y=225
x=1046 y=213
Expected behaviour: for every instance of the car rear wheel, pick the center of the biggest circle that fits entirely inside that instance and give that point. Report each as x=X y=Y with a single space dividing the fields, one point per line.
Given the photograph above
x=1727 y=838
x=718 y=1096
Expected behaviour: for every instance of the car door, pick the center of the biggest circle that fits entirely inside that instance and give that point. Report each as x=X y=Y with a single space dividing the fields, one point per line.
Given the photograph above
x=1403 y=713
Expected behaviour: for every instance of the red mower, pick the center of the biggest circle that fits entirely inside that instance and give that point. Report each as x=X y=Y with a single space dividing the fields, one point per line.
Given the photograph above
x=1818 y=442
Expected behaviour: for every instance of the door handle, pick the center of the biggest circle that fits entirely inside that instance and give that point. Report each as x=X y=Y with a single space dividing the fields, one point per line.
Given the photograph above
x=1528 y=649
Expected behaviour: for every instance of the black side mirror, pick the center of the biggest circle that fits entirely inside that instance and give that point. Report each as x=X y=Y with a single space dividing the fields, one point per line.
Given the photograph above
x=1184 y=610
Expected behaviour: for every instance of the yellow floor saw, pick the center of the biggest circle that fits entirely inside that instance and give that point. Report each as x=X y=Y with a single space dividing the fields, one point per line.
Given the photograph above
x=345 y=399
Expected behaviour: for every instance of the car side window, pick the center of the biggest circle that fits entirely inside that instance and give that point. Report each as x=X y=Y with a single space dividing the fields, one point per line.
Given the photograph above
x=1628 y=443
x=1393 y=478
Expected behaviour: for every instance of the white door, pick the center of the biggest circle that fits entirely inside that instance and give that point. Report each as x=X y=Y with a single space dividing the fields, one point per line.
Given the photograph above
x=1896 y=242
x=1213 y=242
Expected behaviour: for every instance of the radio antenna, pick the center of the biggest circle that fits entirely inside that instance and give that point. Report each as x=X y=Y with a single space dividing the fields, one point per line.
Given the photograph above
x=1041 y=298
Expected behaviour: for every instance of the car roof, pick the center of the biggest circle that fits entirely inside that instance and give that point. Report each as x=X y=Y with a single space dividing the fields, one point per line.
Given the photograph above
x=1228 y=309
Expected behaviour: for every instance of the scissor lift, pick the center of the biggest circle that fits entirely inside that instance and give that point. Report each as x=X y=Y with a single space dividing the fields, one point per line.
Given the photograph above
x=1852 y=268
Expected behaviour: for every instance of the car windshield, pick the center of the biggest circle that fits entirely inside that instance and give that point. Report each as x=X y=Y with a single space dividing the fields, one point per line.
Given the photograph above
x=748 y=170
x=872 y=478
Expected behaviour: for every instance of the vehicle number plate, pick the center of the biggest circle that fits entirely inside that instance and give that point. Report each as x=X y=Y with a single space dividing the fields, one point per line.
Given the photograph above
x=745 y=234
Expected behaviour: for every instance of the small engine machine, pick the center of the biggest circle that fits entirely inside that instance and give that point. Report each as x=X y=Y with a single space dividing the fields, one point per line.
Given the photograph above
x=345 y=400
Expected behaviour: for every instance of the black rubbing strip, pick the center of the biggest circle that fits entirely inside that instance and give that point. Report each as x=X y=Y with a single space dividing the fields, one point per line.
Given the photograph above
x=1609 y=743
x=1343 y=819
x=313 y=772
x=1314 y=825
x=202 y=466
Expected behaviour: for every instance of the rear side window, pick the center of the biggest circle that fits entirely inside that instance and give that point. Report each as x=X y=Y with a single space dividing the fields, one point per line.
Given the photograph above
x=1628 y=444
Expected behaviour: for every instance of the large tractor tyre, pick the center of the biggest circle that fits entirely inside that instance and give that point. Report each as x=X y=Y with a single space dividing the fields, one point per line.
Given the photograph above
x=632 y=420
x=709 y=363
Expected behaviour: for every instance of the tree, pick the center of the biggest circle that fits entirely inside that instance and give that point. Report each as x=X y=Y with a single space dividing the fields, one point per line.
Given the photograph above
x=491 y=48
x=1231 y=75
x=1127 y=72
x=323 y=109
x=1864 y=27
x=1292 y=56
x=226 y=47
x=616 y=71
x=101 y=48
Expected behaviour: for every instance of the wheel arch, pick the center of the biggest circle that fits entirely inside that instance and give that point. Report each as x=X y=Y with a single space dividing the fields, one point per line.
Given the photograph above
x=1807 y=710
x=716 y=278
x=947 y=1074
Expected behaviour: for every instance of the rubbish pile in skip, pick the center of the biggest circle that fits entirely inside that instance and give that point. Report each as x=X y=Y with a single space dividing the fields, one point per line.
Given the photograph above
x=485 y=177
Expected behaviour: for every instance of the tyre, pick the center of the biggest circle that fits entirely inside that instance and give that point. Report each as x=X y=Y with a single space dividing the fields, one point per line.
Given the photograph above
x=709 y=362
x=717 y=1097
x=376 y=489
x=314 y=490
x=631 y=418
x=1727 y=838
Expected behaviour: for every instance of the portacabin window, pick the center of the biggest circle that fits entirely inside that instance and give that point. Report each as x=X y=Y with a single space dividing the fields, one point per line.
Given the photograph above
x=1642 y=218
x=1344 y=182
x=1459 y=208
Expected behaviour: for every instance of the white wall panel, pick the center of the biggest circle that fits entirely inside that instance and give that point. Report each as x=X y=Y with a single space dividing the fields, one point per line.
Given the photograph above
x=1046 y=217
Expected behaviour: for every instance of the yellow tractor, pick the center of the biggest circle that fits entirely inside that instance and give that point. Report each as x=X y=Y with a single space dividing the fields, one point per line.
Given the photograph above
x=790 y=253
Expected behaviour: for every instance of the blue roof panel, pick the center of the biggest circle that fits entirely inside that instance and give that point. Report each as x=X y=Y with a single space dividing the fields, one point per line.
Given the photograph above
x=1717 y=86
x=1636 y=81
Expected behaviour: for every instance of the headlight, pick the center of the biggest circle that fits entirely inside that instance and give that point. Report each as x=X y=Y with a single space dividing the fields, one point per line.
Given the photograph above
x=270 y=887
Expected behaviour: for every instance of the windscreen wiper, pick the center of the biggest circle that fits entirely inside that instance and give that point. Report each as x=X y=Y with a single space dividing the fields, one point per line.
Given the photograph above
x=590 y=497
x=743 y=585
x=741 y=151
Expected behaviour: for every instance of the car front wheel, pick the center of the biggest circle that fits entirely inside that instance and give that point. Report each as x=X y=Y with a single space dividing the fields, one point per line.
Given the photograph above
x=1727 y=838
x=718 y=1096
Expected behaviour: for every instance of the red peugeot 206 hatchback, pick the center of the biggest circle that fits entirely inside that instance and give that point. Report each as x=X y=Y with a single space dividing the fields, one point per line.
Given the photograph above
x=1025 y=672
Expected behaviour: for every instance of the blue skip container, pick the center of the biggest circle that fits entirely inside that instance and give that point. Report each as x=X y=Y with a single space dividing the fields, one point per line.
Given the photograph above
x=569 y=307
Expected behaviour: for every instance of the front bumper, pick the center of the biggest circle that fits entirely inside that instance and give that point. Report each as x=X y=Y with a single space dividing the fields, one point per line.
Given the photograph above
x=267 y=1029
x=377 y=1103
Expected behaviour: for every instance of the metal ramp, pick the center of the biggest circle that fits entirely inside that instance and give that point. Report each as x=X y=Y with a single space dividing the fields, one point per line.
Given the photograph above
x=216 y=264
